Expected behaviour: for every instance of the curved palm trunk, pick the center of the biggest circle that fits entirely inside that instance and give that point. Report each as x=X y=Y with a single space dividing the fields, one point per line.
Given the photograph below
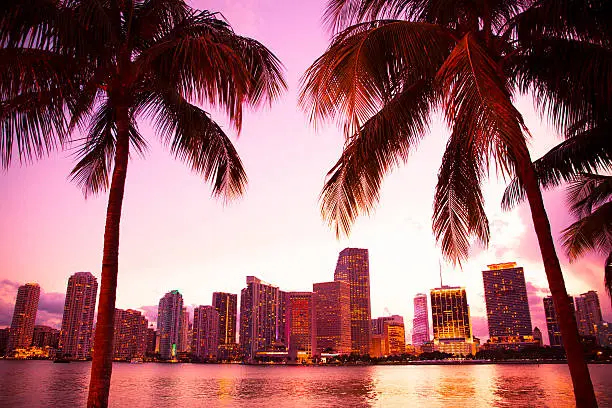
x=99 y=384
x=583 y=387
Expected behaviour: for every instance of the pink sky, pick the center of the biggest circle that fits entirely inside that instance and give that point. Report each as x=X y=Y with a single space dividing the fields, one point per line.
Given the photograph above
x=174 y=236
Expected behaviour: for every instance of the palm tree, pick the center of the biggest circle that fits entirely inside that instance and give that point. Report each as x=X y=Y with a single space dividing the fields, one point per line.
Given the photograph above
x=100 y=65
x=392 y=62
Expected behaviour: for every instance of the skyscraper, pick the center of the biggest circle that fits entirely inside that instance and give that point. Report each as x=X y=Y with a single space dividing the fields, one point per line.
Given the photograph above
x=77 y=323
x=300 y=323
x=283 y=305
x=130 y=335
x=420 y=323
x=378 y=324
x=332 y=317
x=353 y=267
x=506 y=299
x=24 y=316
x=151 y=341
x=205 y=332
x=552 y=326
x=451 y=321
x=259 y=304
x=588 y=313
x=169 y=314
x=227 y=306
x=184 y=344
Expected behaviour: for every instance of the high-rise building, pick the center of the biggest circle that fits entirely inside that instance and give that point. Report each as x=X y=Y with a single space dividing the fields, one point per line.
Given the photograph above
x=450 y=314
x=537 y=337
x=283 y=305
x=130 y=335
x=45 y=336
x=227 y=306
x=184 y=344
x=420 y=323
x=300 y=323
x=259 y=304
x=332 y=317
x=507 y=305
x=151 y=341
x=588 y=313
x=169 y=314
x=4 y=338
x=24 y=316
x=378 y=324
x=552 y=326
x=205 y=341
x=395 y=337
x=77 y=323
x=353 y=267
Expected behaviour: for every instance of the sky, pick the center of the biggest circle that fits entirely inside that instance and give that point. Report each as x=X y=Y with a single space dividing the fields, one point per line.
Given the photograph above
x=174 y=235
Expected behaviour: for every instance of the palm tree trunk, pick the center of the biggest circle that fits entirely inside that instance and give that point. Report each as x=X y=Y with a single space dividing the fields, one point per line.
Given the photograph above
x=99 y=384
x=579 y=371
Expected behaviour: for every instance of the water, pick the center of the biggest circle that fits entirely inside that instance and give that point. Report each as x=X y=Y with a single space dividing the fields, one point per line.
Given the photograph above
x=44 y=384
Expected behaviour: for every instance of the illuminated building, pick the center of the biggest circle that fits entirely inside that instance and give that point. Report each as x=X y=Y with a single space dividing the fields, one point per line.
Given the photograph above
x=184 y=344
x=420 y=323
x=24 y=316
x=45 y=336
x=604 y=334
x=395 y=338
x=554 y=332
x=4 y=337
x=537 y=337
x=588 y=313
x=377 y=349
x=378 y=324
x=259 y=304
x=353 y=267
x=283 y=305
x=451 y=321
x=151 y=341
x=77 y=323
x=205 y=332
x=227 y=306
x=130 y=335
x=169 y=313
x=300 y=323
x=332 y=317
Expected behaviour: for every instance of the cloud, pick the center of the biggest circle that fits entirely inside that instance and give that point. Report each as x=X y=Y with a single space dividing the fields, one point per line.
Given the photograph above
x=50 y=305
x=480 y=327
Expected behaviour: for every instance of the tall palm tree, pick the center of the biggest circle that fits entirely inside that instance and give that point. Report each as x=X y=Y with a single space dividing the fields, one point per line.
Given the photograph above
x=392 y=62
x=100 y=65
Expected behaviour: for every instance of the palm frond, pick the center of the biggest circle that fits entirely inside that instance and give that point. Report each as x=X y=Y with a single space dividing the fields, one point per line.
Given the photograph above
x=608 y=274
x=587 y=191
x=193 y=137
x=383 y=142
x=590 y=233
x=366 y=65
x=585 y=151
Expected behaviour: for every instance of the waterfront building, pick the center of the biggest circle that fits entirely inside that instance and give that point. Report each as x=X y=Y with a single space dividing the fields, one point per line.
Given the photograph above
x=450 y=314
x=169 y=314
x=395 y=338
x=4 y=338
x=45 y=336
x=184 y=344
x=227 y=306
x=604 y=334
x=24 y=316
x=537 y=337
x=283 y=307
x=205 y=341
x=588 y=313
x=377 y=349
x=332 y=317
x=151 y=341
x=76 y=335
x=552 y=326
x=353 y=267
x=130 y=335
x=378 y=324
x=259 y=308
x=300 y=323
x=420 y=323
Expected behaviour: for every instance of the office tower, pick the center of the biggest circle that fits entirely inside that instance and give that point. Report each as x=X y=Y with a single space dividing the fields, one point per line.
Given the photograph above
x=395 y=337
x=151 y=341
x=451 y=321
x=588 y=313
x=300 y=323
x=227 y=306
x=283 y=304
x=24 y=316
x=205 y=332
x=332 y=317
x=169 y=314
x=130 y=335
x=184 y=344
x=353 y=267
x=45 y=336
x=506 y=299
x=77 y=323
x=420 y=323
x=259 y=304
x=554 y=332
x=378 y=324
x=537 y=337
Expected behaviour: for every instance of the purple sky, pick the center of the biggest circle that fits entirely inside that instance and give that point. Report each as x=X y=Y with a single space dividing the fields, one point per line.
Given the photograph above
x=174 y=236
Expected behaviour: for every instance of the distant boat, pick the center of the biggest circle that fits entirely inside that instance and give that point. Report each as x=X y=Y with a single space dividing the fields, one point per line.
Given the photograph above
x=137 y=360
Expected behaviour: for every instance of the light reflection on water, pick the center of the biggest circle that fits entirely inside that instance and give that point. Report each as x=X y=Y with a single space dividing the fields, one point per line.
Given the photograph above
x=43 y=384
